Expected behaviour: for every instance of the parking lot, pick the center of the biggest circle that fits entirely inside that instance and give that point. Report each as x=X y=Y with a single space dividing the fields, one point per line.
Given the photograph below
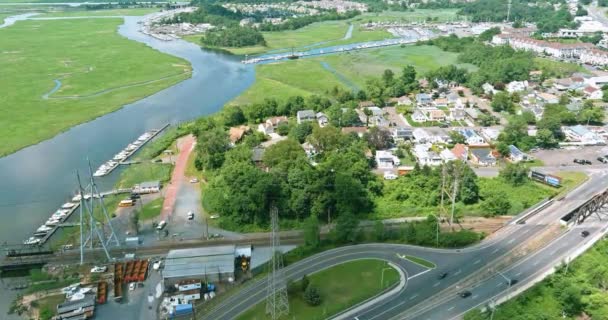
x=566 y=156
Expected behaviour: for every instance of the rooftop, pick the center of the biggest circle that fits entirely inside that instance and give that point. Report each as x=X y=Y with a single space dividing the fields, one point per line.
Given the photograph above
x=199 y=261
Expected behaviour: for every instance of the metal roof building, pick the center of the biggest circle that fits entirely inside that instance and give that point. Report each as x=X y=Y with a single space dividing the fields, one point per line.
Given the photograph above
x=209 y=263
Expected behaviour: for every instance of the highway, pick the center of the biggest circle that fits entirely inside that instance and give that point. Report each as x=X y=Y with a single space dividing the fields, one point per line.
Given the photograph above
x=475 y=268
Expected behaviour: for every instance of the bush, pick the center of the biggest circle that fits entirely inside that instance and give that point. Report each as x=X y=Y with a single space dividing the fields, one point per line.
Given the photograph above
x=312 y=296
x=305 y=283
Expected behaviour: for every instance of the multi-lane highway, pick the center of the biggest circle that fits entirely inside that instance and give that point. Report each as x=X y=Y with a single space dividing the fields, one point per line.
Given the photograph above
x=480 y=269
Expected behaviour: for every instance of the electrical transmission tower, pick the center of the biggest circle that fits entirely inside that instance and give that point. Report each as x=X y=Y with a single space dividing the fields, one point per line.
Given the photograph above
x=277 y=304
x=90 y=227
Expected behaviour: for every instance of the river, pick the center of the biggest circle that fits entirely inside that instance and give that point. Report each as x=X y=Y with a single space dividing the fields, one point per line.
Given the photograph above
x=36 y=180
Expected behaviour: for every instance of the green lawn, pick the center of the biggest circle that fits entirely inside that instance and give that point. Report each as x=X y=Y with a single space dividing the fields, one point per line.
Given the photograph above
x=144 y=172
x=151 y=209
x=308 y=76
x=100 y=71
x=420 y=261
x=340 y=287
x=95 y=13
x=320 y=34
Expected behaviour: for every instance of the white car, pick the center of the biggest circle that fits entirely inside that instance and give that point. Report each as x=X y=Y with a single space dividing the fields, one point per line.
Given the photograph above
x=131 y=286
x=193 y=180
x=190 y=215
x=156 y=265
x=97 y=269
x=215 y=216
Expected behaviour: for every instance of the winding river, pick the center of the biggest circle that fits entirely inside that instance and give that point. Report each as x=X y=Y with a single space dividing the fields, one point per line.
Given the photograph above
x=36 y=180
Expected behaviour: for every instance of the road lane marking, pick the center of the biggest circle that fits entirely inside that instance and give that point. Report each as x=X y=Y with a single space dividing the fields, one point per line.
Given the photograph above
x=436 y=284
x=419 y=274
x=525 y=231
x=475 y=297
x=476 y=262
x=536 y=263
x=499 y=284
x=518 y=274
x=495 y=250
x=450 y=308
x=510 y=241
x=457 y=272
x=413 y=297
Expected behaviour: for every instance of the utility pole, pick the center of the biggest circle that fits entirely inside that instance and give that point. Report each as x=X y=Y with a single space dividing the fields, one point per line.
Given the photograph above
x=277 y=304
x=509 y=10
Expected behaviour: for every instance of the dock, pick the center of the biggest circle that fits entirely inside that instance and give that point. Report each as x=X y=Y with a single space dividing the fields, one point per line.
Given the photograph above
x=130 y=150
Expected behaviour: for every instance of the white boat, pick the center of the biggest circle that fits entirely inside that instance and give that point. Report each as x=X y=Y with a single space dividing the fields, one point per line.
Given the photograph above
x=68 y=205
x=31 y=241
x=52 y=222
x=44 y=228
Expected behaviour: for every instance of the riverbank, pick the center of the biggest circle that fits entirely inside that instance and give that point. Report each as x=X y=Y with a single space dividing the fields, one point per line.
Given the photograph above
x=110 y=73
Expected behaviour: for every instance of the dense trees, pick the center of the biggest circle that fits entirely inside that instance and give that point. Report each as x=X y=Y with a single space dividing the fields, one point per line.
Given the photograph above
x=501 y=101
x=515 y=173
x=211 y=146
x=233 y=37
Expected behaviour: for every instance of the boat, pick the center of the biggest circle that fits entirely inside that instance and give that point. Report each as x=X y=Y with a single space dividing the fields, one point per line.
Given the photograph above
x=44 y=228
x=31 y=241
x=68 y=205
x=52 y=222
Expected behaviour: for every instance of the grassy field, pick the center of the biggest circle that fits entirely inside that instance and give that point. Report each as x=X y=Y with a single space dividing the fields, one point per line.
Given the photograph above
x=326 y=33
x=96 y=13
x=151 y=209
x=340 y=287
x=143 y=172
x=418 y=15
x=87 y=56
x=420 y=261
x=309 y=76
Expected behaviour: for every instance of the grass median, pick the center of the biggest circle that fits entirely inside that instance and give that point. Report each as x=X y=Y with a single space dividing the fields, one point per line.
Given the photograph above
x=340 y=287
x=420 y=261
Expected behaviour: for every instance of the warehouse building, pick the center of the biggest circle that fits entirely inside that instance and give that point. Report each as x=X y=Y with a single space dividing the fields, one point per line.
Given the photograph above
x=209 y=264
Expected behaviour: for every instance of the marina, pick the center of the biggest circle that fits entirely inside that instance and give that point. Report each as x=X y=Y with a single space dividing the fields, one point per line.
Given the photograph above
x=122 y=156
x=55 y=221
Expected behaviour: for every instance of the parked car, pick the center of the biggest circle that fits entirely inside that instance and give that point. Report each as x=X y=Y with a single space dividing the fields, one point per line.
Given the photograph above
x=131 y=286
x=442 y=275
x=156 y=265
x=193 y=180
x=190 y=215
x=465 y=294
x=588 y=162
x=97 y=269
x=161 y=225
x=602 y=159
x=585 y=233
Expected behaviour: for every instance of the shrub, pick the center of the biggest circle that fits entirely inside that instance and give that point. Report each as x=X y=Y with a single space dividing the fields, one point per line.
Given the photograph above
x=312 y=296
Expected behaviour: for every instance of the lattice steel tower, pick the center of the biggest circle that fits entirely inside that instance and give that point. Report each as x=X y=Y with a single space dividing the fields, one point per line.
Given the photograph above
x=277 y=303
x=88 y=197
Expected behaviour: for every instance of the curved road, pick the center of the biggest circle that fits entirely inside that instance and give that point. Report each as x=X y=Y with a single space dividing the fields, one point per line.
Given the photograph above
x=425 y=296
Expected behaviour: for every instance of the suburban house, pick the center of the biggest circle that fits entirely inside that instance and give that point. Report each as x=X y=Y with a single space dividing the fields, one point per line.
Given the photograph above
x=360 y=131
x=490 y=134
x=424 y=100
x=516 y=155
x=421 y=135
x=452 y=98
x=440 y=102
x=418 y=116
x=447 y=155
x=306 y=115
x=483 y=157
x=583 y=135
x=472 y=114
x=593 y=93
x=237 y=133
x=516 y=86
x=271 y=124
x=488 y=88
x=436 y=115
x=404 y=101
x=457 y=114
x=547 y=98
x=461 y=152
x=402 y=134
x=426 y=157
x=472 y=138
x=386 y=160
x=322 y=119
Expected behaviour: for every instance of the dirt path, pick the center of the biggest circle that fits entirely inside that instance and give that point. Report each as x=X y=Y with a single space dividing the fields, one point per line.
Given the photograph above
x=185 y=146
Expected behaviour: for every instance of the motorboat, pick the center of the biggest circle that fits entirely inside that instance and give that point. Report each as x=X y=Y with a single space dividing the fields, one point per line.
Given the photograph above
x=52 y=222
x=44 y=228
x=68 y=205
x=32 y=241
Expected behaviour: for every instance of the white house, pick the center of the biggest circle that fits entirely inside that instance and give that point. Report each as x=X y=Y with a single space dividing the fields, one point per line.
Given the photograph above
x=271 y=124
x=419 y=116
x=516 y=155
x=447 y=155
x=421 y=135
x=404 y=101
x=472 y=138
x=402 y=134
x=424 y=100
x=426 y=157
x=517 y=86
x=386 y=160
x=583 y=135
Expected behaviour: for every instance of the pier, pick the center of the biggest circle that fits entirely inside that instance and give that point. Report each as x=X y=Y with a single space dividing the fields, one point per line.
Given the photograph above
x=138 y=144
